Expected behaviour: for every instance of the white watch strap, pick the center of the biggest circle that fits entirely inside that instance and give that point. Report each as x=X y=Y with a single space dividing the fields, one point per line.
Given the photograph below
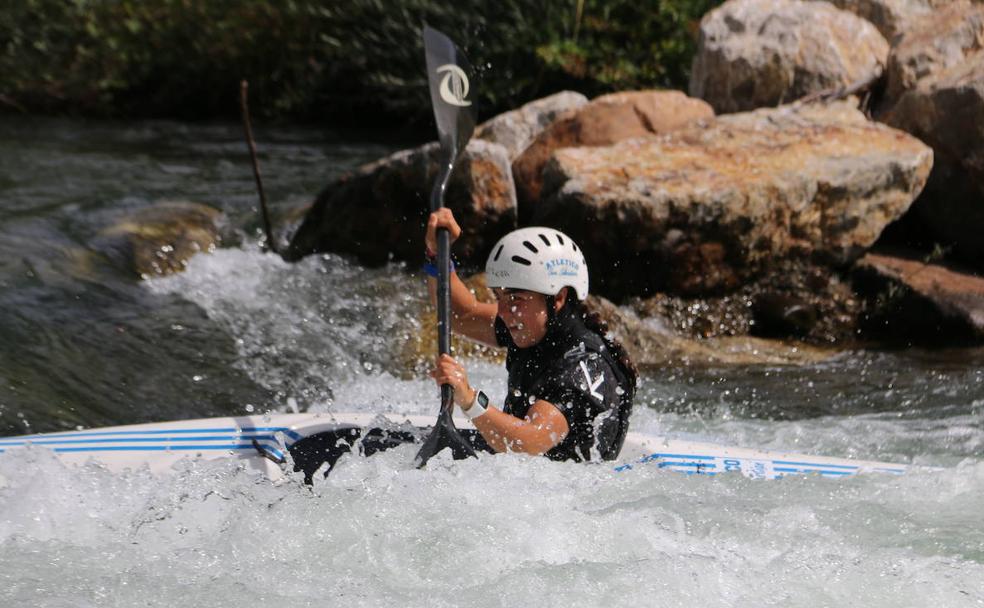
x=475 y=410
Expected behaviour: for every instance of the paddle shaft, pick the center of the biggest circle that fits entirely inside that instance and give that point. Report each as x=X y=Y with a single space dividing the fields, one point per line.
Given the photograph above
x=454 y=112
x=443 y=279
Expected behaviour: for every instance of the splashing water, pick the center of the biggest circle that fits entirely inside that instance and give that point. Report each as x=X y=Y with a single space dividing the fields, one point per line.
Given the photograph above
x=323 y=335
x=495 y=531
x=491 y=532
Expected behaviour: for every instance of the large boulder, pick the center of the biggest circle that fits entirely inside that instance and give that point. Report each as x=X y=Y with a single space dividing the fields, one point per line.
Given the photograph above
x=515 y=130
x=947 y=112
x=378 y=212
x=606 y=120
x=755 y=53
x=891 y=17
x=917 y=302
x=703 y=208
x=944 y=39
x=943 y=105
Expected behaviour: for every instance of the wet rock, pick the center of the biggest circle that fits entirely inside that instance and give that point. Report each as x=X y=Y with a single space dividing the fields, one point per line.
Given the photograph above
x=915 y=302
x=743 y=190
x=515 y=130
x=159 y=240
x=755 y=53
x=779 y=314
x=941 y=68
x=651 y=342
x=795 y=299
x=606 y=120
x=378 y=212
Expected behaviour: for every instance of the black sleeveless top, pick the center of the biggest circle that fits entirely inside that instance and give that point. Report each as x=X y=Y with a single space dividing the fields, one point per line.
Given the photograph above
x=572 y=369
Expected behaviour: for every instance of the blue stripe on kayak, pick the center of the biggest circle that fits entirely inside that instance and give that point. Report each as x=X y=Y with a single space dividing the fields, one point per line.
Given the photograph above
x=182 y=448
x=689 y=456
x=817 y=464
x=270 y=429
x=699 y=465
x=137 y=440
x=683 y=461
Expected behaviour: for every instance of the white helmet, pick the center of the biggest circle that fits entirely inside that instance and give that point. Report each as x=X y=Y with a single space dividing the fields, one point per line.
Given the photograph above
x=537 y=259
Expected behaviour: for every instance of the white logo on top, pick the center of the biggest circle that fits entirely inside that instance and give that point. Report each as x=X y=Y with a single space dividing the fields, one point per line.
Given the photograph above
x=593 y=384
x=454 y=85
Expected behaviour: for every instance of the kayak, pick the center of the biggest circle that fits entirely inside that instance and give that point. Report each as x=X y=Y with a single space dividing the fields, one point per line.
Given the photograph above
x=309 y=443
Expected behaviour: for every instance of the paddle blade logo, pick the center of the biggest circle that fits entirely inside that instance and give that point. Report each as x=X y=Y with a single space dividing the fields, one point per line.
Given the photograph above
x=454 y=85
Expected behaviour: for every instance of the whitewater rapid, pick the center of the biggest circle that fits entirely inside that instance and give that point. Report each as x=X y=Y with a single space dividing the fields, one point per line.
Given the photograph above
x=323 y=335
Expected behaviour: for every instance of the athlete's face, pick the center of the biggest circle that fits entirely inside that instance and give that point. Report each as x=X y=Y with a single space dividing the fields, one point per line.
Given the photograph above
x=525 y=314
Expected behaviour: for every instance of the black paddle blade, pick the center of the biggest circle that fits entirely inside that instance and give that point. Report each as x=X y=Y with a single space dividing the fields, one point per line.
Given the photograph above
x=453 y=98
x=452 y=92
x=444 y=435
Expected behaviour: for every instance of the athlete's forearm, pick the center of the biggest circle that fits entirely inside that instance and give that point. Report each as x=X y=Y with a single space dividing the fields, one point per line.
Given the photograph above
x=507 y=433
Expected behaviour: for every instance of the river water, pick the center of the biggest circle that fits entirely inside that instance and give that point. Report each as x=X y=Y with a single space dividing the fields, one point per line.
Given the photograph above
x=84 y=343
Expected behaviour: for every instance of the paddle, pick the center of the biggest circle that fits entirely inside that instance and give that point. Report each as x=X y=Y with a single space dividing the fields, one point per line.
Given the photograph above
x=448 y=72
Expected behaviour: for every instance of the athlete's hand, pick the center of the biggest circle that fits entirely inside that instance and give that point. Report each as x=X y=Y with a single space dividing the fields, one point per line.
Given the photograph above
x=449 y=371
x=442 y=218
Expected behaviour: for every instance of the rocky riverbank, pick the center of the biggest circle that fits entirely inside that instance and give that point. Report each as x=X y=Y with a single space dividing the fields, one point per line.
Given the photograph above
x=822 y=183
x=839 y=132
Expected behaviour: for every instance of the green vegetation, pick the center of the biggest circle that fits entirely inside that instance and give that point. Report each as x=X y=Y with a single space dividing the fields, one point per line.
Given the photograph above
x=327 y=60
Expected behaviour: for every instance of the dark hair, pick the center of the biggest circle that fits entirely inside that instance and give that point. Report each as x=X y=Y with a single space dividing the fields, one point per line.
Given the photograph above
x=593 y=320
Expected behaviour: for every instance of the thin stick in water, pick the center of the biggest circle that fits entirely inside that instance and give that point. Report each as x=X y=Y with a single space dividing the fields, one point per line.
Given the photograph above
x=244 y=104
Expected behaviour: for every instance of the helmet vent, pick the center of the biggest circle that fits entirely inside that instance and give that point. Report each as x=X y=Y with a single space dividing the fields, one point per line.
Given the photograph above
x=546 y=241
x=573 y=246
x=560 y=238
x=530 y=246
x=520 y=260
x=498 y=253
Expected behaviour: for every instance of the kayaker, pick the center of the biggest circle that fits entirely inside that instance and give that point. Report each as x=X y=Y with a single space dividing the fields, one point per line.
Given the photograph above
x=570 y=384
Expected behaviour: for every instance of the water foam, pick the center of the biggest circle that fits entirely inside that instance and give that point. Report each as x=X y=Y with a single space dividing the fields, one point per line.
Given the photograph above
x=489 y=532
x=496 y=531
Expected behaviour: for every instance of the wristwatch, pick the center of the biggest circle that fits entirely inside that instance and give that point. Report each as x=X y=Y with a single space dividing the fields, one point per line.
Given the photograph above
x=478 y=407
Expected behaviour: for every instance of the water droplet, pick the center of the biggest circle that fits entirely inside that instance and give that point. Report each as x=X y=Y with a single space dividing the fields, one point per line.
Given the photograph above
x=516 y=393
x=531 y=400
x=249 y=407
x=197 y=378
x=583 y=386
x=367 y=365
x=619 y=390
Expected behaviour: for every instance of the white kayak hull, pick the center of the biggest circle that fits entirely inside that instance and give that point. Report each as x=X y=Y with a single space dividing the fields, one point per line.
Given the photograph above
x=261 y=441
